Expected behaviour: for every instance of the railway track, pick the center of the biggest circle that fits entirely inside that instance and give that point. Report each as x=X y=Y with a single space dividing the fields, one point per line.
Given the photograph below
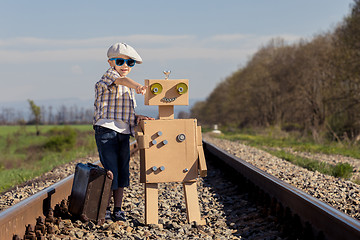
x=312 y=218
x=303 y=214
x=14 y=219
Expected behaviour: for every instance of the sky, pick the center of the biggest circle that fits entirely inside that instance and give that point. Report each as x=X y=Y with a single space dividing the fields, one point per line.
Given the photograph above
x=52 y=50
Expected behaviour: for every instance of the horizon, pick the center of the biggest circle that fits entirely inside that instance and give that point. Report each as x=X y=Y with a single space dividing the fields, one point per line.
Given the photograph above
x=21 y=108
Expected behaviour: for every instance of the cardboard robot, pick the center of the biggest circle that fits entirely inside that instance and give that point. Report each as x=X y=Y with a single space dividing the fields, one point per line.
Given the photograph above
x=170 y=149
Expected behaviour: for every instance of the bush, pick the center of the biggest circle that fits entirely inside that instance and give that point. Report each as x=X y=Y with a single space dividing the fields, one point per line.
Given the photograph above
x=343 y=170
x=61 y=139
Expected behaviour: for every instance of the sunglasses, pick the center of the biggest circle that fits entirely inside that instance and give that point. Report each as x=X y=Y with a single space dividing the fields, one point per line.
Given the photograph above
x=120 y=61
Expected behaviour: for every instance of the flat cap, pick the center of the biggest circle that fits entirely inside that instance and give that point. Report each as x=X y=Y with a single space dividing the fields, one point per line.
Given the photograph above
x=124 y=49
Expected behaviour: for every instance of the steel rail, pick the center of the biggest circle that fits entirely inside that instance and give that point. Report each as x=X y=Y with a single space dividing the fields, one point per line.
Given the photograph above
x=14 y=219
x=332 y=223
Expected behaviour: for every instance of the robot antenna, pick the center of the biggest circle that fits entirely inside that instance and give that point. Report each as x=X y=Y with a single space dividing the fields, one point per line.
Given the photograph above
x=167 y=73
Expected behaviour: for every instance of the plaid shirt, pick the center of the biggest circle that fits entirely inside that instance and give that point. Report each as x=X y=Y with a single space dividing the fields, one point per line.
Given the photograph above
x=115 y=102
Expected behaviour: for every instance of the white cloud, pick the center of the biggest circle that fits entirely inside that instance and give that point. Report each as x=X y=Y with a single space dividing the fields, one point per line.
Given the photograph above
x=288 y=38
x=230 y=37
x=9 y=56
x=91 y=42
x=234 y=46
x=194 y=53
x=246 y=40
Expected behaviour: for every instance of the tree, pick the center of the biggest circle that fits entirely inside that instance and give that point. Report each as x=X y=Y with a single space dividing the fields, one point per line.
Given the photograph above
x=183 y=115
x=345 y=119
x=312 y=86
x=36 y=112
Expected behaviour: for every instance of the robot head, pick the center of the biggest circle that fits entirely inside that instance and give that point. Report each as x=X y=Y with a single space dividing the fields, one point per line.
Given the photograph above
x=167 y=92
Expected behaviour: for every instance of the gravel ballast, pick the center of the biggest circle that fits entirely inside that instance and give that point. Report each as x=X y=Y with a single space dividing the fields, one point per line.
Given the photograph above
x=341 y=194
x=226 y=210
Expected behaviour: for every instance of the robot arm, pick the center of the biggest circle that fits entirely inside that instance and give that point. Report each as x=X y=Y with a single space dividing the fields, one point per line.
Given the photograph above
x=201 y=156
x=140 y=137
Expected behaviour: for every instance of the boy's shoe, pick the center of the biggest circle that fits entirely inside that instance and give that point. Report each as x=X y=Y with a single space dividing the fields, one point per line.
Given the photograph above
x=108 y=215
x=119 y=216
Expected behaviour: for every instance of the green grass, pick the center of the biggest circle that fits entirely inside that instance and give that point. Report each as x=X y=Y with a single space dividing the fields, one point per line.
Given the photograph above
x=277 y=142
x=342 y=170
x=23 y=155
x=257 y=140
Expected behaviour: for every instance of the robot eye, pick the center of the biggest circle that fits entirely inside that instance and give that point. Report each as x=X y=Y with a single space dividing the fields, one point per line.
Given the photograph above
x=181 y=88
x=156 y=88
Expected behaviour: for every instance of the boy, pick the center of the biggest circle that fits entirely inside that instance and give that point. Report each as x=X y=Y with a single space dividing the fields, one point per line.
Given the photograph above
x=115 y=119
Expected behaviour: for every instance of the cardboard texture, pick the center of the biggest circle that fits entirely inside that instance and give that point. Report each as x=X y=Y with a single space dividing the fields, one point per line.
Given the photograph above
x=170 y=149
x=151 y=203
x=202 y=162
x=179 y=159
x=168 y=91
x=166 y=112
x=192 y=203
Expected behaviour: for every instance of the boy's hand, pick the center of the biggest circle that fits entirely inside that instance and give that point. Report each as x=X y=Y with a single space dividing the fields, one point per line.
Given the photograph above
x=141 y=90
x=142 y=117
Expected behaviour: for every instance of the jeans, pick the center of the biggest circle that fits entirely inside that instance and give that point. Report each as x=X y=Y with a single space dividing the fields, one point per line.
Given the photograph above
x=114 y=153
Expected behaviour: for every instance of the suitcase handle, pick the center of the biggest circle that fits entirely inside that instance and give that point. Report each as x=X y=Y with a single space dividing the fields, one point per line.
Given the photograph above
x=92 y=165
x=108 y=172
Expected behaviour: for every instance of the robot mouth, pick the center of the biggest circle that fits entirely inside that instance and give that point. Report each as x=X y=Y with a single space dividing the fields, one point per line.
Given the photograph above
x=168 y=100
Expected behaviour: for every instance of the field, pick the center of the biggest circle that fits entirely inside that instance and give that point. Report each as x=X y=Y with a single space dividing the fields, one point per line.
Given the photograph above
x=24 y=155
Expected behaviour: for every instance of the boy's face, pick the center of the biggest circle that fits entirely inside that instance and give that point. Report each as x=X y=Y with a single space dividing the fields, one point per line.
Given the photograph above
x=124 y=69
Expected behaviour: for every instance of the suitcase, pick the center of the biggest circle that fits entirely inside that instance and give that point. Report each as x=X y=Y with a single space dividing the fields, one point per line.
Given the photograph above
x=90 y=193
